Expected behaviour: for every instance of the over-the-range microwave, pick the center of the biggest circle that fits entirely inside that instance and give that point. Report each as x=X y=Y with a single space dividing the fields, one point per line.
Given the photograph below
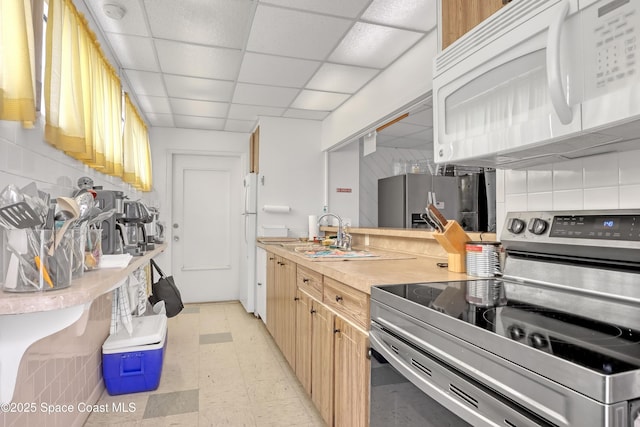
x=540 y=81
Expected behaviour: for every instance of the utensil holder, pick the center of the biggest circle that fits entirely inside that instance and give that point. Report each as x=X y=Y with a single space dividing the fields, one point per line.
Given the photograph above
x=453 y=240
x=31 y=268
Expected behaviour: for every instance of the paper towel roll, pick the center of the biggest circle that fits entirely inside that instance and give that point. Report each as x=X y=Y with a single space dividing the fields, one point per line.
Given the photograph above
x=276 y=208
x=313 y=227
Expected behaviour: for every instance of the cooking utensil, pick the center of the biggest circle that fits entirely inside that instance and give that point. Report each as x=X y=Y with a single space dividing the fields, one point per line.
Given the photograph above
x=71 y=210
x=429 y=221
x=437 y=216
x=43 y=270
x=433 y=219
x=85 y=203
x=20 y=215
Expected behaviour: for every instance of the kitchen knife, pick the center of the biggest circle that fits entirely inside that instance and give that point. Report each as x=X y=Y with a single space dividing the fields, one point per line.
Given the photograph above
x=434 y=220
x=437 y=216
x=425 y=217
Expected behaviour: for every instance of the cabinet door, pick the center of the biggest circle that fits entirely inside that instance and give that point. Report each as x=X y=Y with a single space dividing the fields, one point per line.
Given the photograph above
x=303 y=340
x=351 y=376
x=287 y=303
x=459 y=16
x=322 y=345
x=272 y=312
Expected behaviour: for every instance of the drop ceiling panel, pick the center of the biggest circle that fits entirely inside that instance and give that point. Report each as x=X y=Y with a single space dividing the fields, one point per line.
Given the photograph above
x=317 y=100
x=198 y=61
x=154 y=104
x=189 y=107
x=296 y=34
x=292 y=113
x=263 y=95
x=341 y=78
x=240 y=125
x=212 y=22
x=133 y=22
x=198 y=122
x=276 y=70
x=134 y=52
x=347 y=9
x=251 y=112
x=146 y=83
x=376 y=46
x=197 y=88
x=160 y=120
x=418 y=15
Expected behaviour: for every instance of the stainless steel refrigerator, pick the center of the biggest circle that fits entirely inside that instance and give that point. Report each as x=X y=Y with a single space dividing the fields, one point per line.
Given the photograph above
x=402 y=198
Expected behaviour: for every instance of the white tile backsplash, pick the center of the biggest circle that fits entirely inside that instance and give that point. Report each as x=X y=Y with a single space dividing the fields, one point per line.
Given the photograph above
x=568 y=200
x=601 y=171
x=629 y=196
x=515 y=181
x=539 y=180
x=540 y=201
x=568 y=175
x=629 y=165
x=601 y=198
x=608 y=181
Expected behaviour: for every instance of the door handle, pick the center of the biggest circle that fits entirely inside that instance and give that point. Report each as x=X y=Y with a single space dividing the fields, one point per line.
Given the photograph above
x=554 y=77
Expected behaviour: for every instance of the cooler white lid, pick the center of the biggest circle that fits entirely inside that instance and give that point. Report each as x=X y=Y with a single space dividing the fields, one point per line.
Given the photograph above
x=146 y=330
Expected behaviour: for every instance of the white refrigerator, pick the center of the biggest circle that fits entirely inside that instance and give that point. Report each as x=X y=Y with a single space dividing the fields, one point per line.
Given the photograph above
x=248 y=243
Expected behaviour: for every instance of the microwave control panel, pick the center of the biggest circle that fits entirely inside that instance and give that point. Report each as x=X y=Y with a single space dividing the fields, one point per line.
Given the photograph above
x=611 y=27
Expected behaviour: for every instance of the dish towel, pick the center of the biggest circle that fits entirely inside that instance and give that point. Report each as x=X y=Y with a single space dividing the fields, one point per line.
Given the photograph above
x=121 y=310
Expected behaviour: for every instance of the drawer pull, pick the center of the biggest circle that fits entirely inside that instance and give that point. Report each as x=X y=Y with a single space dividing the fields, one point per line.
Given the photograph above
x=313 y=311
x=305 y=280
x=336 y=331
x=338 y=298
x=296 y=299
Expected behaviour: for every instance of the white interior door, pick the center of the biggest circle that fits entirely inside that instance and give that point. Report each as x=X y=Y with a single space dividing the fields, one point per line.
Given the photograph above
x=206 y=232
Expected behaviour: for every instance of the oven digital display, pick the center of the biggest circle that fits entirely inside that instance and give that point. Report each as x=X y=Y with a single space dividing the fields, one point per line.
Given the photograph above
x=621 y=227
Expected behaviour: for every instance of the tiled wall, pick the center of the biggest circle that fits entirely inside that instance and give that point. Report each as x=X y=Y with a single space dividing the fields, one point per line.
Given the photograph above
x=607 y=181
x=62 y=369
x=25 y=158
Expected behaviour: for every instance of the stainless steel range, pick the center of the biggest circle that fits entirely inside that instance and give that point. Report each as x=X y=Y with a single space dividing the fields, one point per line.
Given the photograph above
x=560 y=347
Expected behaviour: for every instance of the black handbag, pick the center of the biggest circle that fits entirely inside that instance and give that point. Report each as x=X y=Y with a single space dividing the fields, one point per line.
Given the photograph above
x=165 y=289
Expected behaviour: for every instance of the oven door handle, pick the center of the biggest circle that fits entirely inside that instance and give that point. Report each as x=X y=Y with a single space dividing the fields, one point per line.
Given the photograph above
x=432 y=390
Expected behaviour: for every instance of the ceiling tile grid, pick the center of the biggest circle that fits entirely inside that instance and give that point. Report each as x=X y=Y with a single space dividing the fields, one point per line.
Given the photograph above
x=221 y=64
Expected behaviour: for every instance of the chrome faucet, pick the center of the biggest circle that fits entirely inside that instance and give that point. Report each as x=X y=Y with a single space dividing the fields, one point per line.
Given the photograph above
x=343 y=240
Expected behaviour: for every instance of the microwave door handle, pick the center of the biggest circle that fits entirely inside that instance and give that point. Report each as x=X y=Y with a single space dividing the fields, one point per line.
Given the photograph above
x=554 y=77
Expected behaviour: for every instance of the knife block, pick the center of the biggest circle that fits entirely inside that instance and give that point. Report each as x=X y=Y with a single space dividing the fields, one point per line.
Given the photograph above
x=453 y=240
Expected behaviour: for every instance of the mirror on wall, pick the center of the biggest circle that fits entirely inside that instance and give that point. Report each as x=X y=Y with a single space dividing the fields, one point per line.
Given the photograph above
x=403 y=159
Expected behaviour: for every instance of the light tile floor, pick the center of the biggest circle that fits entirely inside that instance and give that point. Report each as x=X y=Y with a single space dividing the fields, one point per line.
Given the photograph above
x=221 y=368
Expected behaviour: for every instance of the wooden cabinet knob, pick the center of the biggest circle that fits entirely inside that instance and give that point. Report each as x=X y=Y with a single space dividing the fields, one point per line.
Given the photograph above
x=336 y=331
x=312 y=311
x=338 y=298
x=296 y=299
x=305 y=280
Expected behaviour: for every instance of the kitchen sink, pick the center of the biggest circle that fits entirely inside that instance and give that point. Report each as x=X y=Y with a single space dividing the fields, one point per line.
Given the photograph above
x=317 y=251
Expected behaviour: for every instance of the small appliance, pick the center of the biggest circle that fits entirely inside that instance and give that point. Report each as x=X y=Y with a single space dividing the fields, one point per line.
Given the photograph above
x=106 y=200
x=540 y=81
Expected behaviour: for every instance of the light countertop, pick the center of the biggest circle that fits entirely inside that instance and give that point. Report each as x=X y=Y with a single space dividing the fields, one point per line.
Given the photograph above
x=85 y=289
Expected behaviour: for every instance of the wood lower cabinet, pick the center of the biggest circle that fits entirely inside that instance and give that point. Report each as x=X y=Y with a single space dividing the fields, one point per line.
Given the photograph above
x=314 y=353
x=351 y=376
x=281 y=304
x=328 y=352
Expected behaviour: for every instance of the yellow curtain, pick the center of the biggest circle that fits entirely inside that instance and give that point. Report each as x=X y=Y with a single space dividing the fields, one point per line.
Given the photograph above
x=137 y=153
x=17 y=62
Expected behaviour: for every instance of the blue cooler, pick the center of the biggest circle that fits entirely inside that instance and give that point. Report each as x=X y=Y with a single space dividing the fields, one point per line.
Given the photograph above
x=133 y=363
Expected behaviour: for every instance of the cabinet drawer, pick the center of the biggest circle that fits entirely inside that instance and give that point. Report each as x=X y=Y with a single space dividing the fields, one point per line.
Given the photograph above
x=348 y=302
x=310 y=282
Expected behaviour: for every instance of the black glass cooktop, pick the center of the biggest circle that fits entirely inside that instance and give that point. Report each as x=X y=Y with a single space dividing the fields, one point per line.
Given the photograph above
x=603 y=347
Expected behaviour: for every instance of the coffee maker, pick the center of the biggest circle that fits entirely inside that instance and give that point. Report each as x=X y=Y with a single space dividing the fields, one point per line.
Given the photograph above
x=132 y=228
x=106 y=200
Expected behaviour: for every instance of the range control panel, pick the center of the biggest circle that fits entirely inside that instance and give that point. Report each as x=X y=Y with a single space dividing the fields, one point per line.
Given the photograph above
x=608 y=227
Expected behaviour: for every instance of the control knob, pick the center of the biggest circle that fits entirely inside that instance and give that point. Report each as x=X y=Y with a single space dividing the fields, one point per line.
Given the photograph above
x=516 y=333
x=516 y=225
x=537 y=225
x=538 y=341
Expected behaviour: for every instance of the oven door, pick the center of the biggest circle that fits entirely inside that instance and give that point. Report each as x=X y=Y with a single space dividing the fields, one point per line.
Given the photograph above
x=395 y=401
x=411 y=387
